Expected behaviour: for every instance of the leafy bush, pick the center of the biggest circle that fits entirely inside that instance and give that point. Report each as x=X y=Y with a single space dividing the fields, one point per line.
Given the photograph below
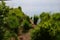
x=47 y=30
x=26 y=26
x=13 y=22
x=9 y=21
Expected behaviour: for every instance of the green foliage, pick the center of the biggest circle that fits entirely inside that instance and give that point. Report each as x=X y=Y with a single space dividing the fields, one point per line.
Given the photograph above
x=10 y=21
x=7 y=35
x=26 y=25
x=45 y=16
x=13 y=22
x=1 y=34
x=47 y=30
x=3 y=14
x=36 y=19
x=56 y=16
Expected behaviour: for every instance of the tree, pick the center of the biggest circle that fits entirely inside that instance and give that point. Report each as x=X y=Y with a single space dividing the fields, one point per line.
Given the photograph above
x=45 y=16
x=10 y=21
x=35 y=19
x=3 y=14
x=47 y=29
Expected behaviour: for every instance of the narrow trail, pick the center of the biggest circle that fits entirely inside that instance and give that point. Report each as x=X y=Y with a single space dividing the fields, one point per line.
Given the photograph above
x=26 y=36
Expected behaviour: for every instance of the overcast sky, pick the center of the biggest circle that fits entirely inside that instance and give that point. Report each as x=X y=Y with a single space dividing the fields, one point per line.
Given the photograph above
x=31 y=7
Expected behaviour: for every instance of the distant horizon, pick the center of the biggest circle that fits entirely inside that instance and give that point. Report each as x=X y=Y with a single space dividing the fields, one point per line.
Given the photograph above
x=35 y=7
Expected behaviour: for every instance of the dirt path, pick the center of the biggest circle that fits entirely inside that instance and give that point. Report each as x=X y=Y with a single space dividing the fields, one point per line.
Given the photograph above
x=25 y=36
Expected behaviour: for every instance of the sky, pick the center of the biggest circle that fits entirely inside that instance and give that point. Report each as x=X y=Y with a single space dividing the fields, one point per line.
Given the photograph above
x=35 y=7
